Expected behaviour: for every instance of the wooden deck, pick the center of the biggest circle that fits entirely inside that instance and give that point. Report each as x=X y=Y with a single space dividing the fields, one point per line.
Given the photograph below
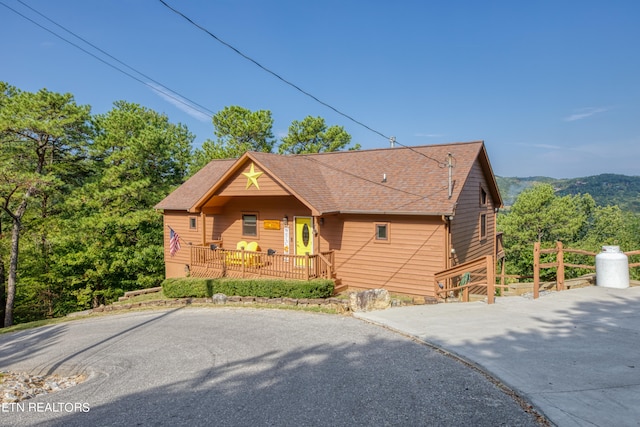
x=207 y=262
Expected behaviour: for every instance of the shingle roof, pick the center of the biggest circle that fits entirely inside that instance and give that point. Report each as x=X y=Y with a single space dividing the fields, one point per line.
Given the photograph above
x=185 y=196
x=417 y=179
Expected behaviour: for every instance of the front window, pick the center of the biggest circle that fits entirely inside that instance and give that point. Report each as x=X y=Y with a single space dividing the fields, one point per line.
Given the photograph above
x=250 y=225
x=483 y=226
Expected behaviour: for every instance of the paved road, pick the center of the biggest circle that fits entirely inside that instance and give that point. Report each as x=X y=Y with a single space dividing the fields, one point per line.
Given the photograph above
x=574 y=354
x=248 y=367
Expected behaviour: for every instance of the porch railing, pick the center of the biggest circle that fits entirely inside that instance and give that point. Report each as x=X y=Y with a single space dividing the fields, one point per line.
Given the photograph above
x=248 y=263
x=478 y=274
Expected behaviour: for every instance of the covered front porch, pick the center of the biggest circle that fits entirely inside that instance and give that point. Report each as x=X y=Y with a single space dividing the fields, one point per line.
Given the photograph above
x=213 y=261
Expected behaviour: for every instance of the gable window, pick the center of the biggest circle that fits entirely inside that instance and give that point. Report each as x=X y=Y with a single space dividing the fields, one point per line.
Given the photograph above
x=382 y=232
x=193 y=223
x=483 y=197
x=483 y=226
x=249 y=225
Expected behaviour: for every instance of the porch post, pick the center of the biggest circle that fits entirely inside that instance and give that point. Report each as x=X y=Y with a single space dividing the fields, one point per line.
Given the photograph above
x=203 y=220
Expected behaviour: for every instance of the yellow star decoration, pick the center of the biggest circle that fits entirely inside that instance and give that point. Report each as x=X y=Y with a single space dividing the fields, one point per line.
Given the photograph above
x=252 y=177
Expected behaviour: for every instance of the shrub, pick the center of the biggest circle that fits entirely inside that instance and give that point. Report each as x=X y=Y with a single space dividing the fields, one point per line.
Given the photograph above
x=268 y=288
x=185 y=287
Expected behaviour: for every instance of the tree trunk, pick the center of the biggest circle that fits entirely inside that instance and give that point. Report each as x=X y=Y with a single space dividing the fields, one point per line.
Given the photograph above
x=13 y=273
x=2 y=291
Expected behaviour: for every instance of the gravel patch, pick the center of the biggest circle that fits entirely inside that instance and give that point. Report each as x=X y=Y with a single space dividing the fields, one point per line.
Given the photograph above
x=16 y=387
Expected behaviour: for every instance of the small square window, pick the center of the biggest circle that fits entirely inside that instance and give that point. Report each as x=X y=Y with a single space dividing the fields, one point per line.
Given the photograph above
x=193 y=223
x=250 y=225
x=382 y=231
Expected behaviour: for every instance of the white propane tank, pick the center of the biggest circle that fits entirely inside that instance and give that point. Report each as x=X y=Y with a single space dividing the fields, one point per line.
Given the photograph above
x=612 y=268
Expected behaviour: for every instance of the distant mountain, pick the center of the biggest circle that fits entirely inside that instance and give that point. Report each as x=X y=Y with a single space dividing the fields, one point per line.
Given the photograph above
x=606 y=189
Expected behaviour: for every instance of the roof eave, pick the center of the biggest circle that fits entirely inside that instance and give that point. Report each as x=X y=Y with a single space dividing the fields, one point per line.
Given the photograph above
x=397 y=213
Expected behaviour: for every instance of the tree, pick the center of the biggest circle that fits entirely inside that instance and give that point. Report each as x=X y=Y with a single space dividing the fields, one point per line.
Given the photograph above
x=42 y=136
x=237 y=131
x=112 y=237
x=538 y=215
x=311 y=135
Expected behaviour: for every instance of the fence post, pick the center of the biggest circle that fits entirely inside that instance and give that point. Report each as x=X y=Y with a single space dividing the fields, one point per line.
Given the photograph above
x=536 y=270
x=560 y=272
x=491 y=280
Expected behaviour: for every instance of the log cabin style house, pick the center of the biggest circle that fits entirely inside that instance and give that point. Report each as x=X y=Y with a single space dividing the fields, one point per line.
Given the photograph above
x=383 y=218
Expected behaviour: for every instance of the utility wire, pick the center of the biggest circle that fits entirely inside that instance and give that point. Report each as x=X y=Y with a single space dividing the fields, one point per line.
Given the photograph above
x=175 y=95
x=167 y=91
x=287 y=82
x=276 y=75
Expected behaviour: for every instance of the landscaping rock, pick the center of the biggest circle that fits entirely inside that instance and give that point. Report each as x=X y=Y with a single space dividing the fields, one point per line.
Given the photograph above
x=372 y=299
x=219 y=299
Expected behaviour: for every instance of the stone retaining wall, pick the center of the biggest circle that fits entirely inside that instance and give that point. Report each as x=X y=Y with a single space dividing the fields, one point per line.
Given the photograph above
x=377 y=299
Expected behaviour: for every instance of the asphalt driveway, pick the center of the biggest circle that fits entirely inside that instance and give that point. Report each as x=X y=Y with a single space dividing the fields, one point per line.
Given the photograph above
x=248 y=367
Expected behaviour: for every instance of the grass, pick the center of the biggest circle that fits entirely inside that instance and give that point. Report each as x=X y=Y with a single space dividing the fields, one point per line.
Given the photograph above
x=157 y=296
x=142 y=298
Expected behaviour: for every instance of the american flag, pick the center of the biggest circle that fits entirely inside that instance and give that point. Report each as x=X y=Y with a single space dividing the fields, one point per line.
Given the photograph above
x=174 y=242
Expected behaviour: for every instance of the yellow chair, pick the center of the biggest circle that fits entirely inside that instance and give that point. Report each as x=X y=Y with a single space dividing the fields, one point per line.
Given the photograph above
x=235 y=258
x=253 y=247
x=253 y=259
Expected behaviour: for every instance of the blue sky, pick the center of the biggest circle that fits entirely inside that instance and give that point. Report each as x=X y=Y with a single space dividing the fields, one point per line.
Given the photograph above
x=551 y=86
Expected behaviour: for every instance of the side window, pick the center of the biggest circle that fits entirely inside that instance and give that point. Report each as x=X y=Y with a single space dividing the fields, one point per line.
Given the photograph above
x=193 y=223
x=382 y=231
x=483 y=197
x=250 y=225
x=483 y=226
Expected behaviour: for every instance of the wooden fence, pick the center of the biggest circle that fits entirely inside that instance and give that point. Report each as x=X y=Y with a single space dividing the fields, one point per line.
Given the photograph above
x=561 y=264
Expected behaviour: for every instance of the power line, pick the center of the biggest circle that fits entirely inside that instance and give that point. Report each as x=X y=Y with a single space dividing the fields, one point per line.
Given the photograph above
x=289 y=83
x=420 y=197
x=273 y=73
x=177 y=96
x=162 y=88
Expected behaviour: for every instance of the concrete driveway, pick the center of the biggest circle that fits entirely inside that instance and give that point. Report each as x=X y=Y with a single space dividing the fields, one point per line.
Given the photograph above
x=574 y=354
x=248 y=367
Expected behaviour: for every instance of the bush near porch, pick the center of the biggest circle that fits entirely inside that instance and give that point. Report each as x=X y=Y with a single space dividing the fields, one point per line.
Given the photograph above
x=184 y=287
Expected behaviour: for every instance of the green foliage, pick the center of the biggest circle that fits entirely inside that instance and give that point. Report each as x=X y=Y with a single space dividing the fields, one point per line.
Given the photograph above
x=237 y=131
x=540 y=215
x=43 y=139
x=112 y=240
x=268 y=288
x=312 y=135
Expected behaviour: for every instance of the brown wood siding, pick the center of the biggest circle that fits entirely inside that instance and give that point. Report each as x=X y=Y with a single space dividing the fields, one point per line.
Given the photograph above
x=228 y=224
x=237 y=185
x=465 y=227
x=179 y=222
x=405 y=264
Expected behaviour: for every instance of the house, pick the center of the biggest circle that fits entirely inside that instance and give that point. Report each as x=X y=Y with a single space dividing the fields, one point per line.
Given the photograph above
x=383 y=218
